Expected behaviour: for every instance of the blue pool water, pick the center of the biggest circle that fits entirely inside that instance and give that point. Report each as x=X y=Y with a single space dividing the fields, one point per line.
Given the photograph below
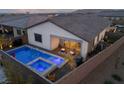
x=40 y=66
x=27 y=54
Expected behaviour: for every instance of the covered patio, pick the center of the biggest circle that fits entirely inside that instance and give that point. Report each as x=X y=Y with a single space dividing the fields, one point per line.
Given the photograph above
x=69 y=49
x=65 y=46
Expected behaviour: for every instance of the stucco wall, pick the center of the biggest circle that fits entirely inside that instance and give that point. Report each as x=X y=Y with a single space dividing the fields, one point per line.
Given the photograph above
x=47 y=30
x=54 y=42
x=99 y=37
x=15 y=32
x=102 y=34
x=84 y=50
x=96 y=41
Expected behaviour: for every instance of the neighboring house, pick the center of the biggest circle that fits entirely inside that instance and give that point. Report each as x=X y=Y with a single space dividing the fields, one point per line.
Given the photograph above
x=115 y=16
x=7 y=23
x=20 y=22
x=77 y=31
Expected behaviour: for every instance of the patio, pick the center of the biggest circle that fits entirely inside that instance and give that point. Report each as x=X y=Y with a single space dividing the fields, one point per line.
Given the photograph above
x=69 y=50
x=67 y=47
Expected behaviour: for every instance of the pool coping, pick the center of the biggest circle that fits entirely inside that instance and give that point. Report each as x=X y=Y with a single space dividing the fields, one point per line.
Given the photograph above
x=47 y=71
x=33 y=70
x=65 y=61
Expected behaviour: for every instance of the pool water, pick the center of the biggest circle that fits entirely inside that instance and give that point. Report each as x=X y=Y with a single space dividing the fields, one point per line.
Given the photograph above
x=27 y=54
x=40 y=66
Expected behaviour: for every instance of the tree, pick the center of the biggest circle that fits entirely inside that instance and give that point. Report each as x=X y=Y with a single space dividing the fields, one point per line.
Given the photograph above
x=71 y=61
x=2 y=41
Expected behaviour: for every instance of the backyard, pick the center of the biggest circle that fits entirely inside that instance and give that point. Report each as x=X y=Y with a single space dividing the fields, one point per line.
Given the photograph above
x=58 y=73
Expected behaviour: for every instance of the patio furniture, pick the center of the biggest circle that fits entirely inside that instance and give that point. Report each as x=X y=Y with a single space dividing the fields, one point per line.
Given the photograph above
x=72 y=52
x=79 y=60
x=62 y=49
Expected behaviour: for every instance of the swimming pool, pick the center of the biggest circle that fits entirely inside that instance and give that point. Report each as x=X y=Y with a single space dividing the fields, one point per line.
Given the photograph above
x=41 y=66
x=26 y=54
x=39 y=61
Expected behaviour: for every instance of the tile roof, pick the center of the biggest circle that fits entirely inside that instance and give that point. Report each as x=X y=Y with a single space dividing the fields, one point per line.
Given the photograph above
x=112 y=13
x=84 y=26
x=23 y=21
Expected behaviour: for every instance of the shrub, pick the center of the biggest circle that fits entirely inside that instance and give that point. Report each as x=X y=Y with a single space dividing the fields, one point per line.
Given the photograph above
x=116 y=77
x=122 y=63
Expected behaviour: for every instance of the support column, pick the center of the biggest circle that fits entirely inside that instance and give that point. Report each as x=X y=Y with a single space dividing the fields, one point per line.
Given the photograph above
x=84 y=50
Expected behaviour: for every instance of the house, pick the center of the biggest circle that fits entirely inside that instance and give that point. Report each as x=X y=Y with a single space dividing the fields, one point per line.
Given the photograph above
x=19 y=22
x=13 y=26
x=75 y=31
x=81 y=32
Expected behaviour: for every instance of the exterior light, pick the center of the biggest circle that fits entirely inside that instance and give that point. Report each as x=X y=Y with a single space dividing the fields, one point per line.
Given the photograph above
x=72 y=53
x=10 y=46
x=1 y=47
x=6 y=30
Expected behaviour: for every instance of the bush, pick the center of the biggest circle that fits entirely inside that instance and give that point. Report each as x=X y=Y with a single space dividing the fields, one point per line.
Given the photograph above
x=116 y=77
x=122 y=63
x=112 y=37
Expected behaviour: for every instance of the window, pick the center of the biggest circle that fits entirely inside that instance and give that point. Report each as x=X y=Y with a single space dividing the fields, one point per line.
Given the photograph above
x=38 y=37
x=19 y=32
x=24 y=32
